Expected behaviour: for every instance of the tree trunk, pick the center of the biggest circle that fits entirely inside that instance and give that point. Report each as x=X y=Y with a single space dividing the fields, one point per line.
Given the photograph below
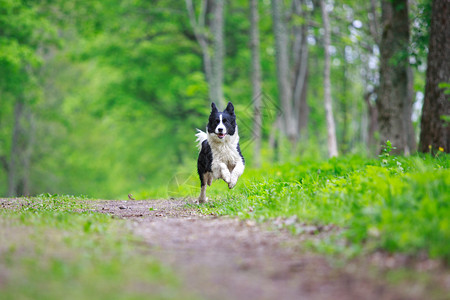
x=22 y=140
x=300 y=72
x=29 y=138
x=256 y=82
x=411 y=135
x=331 y=128
x=372 y=111
x=393 y=96
x=14 y=160
x=213 y=65
x=373 y=22
x=282 y=61
x=217 y=29
x=303 y=113
x=345 y=144
x=372 y=114
x=435 y=130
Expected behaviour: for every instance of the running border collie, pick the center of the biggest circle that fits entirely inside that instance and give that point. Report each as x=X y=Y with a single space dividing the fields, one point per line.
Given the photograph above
x=220 y=156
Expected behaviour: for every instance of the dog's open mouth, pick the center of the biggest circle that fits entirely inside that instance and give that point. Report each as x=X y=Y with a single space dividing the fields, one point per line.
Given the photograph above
x=221 y=135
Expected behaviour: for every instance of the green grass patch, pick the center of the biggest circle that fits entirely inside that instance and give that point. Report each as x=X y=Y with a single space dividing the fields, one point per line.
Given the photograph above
x=396 y=204
x=53 y=247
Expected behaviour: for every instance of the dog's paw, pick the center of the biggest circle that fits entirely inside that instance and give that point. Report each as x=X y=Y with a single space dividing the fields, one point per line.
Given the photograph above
x=227 y=178
x=202 y=200
x=232 y=184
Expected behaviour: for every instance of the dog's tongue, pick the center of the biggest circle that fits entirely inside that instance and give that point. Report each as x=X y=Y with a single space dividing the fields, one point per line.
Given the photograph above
x=221 y=135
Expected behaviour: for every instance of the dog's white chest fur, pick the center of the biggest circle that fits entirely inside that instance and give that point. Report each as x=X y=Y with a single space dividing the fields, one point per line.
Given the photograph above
x=225 y=151
x=226 y=163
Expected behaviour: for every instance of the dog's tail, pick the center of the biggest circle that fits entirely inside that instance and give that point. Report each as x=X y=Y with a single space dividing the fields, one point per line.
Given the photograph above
x=201 y=137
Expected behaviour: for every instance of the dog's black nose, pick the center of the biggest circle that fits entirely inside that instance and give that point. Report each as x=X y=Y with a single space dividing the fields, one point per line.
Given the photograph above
x=220 y=129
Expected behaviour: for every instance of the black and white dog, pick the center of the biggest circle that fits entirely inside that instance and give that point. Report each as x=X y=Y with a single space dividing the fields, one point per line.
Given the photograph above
x=220 y=156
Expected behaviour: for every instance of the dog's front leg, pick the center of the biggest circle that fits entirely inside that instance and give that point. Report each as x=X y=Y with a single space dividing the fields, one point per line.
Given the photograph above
x=235 y=174
x=220 y=170
x=226 y=176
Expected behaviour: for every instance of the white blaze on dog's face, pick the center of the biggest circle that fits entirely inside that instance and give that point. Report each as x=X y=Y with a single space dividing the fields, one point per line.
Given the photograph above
x=223 y=123
x=221 y=130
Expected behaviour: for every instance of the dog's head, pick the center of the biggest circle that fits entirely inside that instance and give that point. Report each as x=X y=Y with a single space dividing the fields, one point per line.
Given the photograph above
x=223 y=123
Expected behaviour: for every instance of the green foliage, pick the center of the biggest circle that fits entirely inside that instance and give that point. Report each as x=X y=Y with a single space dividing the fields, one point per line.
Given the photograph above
x=116 y=89
x=54 y=247
x=394 y=203
x=25 y=28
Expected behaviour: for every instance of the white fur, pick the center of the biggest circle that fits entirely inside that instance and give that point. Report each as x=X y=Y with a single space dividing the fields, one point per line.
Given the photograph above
x=227 y=163
x=201 y=137
x=235 y=174
x=221 y=126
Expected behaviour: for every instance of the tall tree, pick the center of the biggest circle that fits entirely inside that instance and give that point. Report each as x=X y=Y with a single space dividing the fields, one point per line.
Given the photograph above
x=217 y=31
x=435 y=127
x=373 y=45
x=292 y=81
x=27 y=29
x=372 y=114
x=16 y=149
x=282 y=63
x=256 y=81
x=210 y=37
x=407 y=111
x=21 y=150
x=393 y=98
x=331 y=127
x=372 y=85
x=300 y=54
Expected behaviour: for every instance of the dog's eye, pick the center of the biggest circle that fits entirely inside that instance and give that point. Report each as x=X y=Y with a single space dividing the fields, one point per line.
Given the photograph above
x=217 y=120
x=225 y=120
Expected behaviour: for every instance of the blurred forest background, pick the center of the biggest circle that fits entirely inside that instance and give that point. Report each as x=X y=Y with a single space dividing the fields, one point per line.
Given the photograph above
x=103 y=97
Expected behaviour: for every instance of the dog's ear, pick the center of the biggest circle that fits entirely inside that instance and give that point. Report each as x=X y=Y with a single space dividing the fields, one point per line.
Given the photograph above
x=230 y=108
x=213 y=108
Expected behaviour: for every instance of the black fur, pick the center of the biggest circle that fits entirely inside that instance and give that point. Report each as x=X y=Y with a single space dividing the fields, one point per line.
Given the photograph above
x=240 y=153
x=204 y=162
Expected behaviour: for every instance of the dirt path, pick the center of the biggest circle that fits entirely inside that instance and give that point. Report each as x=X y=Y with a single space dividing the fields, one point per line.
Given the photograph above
x=224 y=258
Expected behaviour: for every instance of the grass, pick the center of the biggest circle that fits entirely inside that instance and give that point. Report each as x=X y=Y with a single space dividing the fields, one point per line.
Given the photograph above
x=395 y=204
x=53 y=247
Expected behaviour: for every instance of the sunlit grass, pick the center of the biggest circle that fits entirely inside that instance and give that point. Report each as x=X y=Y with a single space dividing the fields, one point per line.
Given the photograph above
x=392 y=203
